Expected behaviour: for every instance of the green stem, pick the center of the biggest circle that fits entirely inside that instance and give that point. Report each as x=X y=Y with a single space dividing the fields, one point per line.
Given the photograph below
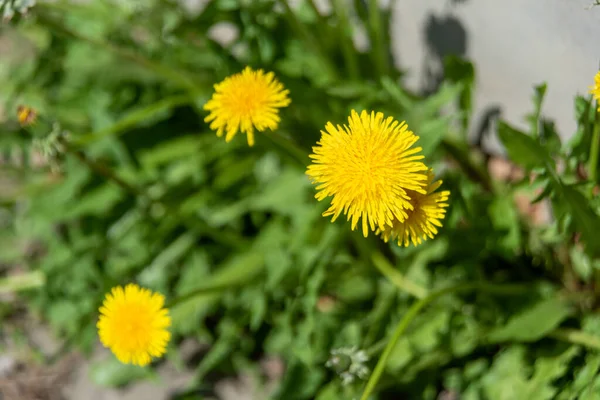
x=595 y=147
x=379 y=52
x=577 y=337
x=345 y=35
x=135 y=118
x=396 y=277
x=181 y=78
x=414 y=310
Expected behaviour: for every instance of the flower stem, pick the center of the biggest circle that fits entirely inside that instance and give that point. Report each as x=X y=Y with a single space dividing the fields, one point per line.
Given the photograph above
x=577 y=337
x=413 y=311
x=595 y=148
x=379 y=52
x=345 y=35
x=396 y=277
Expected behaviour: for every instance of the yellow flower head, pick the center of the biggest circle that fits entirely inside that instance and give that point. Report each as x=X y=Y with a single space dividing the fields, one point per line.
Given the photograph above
x=595 y=90
x=26 y=115
x=368 y=167
x=133 y=324
x=244 y=101
x=422 y=222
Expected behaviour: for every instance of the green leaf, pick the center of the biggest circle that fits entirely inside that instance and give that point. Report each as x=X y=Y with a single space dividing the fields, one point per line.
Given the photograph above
x=428 y=335
x=507 y=377
x=155 y=275
x=533 y=323
x=171 y=150
x=579 y=145
x=431 y=132
x=584 y=217
x=550 y=137
x=401 y=355
x=350 y=90
x=505 y=218
x=446 y=94
x=534 y=118
x=239 y=269
x=396 y=93
x=586 y=385
x=522 y=149
x=187 y=317
x=96 y=202
x=547 y=370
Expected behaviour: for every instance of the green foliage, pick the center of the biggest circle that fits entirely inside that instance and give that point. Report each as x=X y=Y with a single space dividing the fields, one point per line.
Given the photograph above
x=233 y=236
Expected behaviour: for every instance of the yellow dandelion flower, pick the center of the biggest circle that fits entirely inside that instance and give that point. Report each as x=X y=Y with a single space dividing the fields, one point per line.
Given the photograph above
x=368 y=167
x=245 y=101
x=424 y=218
x=26 y=115
x=595 y=90
x=133 y=324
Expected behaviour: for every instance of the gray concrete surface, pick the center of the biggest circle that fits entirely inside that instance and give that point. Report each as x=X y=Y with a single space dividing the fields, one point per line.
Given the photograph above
x=514 y=44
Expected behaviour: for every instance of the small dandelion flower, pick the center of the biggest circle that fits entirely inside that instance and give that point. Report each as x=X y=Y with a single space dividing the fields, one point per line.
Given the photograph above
x=133 y=324
x=428 y=210
x=367 y=168
x=26 y=115
x=246 y=101
x=595 y=90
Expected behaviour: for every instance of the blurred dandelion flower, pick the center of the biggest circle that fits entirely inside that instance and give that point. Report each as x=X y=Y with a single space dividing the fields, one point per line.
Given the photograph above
x=133 y=324
x=427 y=211
x=26 y=115
x=595 y=90
x=246 y=101
x=368 y=167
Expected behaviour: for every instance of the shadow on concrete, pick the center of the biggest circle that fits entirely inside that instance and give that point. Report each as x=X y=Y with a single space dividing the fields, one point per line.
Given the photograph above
x=445 y=36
